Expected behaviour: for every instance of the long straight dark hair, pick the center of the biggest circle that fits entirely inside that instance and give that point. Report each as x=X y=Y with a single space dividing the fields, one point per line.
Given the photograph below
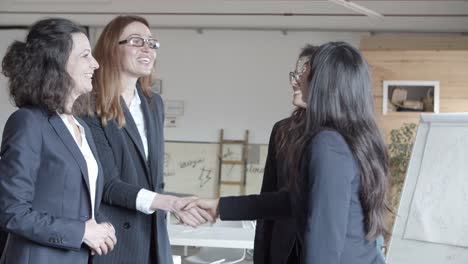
x=340 y=98
x=293 y=127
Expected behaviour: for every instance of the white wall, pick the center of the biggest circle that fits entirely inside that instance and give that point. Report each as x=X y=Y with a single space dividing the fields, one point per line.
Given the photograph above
x=234 y=80
x=231 y=79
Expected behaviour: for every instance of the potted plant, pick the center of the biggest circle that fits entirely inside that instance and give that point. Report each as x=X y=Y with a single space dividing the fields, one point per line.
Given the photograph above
x=399 y=151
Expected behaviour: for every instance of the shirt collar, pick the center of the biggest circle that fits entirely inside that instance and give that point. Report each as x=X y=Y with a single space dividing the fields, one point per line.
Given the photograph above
x=65 y=120
x=136 y=101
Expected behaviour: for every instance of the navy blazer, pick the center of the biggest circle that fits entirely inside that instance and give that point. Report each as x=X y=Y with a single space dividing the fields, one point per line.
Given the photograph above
x=275 y=233
x=332 y=221
x=126 y=171
x=44 y=190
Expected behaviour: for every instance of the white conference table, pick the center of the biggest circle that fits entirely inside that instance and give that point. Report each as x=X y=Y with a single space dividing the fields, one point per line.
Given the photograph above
x=212 y=236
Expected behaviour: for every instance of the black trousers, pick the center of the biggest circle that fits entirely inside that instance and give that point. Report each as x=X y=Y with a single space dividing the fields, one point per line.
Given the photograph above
x=295 y=257
x=153 y=256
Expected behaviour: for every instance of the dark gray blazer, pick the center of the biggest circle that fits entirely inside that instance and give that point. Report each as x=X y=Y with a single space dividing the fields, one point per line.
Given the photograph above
x=126 y=171
x=44 y=190
x=333 y=223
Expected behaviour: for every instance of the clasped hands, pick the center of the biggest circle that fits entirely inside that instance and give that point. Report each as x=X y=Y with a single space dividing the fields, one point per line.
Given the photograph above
x=191 y=211
x=100 y=237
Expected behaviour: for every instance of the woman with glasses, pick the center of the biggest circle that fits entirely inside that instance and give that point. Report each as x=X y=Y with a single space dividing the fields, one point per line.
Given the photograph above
x=128 y=129
x=275 y=238
x=276 y=232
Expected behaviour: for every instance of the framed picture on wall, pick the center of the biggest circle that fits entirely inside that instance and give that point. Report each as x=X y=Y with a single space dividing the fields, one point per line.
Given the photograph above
x=410 y=96
x=157 y=86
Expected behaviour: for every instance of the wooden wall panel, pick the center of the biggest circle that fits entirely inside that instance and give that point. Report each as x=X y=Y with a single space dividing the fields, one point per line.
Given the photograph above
x=411 y=41
x=450 y=67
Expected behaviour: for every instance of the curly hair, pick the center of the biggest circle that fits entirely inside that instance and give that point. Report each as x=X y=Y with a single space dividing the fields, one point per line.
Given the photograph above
x=36 y=68
x=293 y=127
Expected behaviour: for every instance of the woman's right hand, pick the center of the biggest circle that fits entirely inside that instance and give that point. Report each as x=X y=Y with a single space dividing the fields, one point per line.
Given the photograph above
x=209 y=205
x=100 y=238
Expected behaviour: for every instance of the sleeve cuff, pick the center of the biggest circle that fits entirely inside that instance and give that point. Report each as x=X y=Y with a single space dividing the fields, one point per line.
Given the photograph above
x=144 y=200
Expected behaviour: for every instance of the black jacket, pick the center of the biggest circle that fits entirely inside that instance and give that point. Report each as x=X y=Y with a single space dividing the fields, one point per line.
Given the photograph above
x=275 y=234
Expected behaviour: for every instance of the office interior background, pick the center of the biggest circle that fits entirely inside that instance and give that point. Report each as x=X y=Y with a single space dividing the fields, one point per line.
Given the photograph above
x=225 y=65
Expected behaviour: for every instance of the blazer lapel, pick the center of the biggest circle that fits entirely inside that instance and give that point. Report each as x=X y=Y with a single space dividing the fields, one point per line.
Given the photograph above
x=67 y=139
x=132 y=130
x=100 y=178
x=151 y=130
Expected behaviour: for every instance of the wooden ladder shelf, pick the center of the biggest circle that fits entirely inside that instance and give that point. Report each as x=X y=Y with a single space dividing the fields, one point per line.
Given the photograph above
x=242 y=162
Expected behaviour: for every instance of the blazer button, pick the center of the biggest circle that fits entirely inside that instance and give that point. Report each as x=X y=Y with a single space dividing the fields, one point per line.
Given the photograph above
x=126 y=225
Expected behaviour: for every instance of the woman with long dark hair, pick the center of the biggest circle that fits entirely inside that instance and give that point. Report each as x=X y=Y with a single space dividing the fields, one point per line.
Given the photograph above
x=276 y=232
x=340 y=172
x=275 y=237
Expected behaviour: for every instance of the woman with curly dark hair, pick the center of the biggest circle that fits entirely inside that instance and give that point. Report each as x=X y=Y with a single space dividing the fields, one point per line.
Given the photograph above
x=50 y=181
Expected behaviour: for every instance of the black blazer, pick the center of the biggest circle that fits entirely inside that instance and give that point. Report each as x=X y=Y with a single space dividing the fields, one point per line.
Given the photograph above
x=3 y=238
x=44 y=190
x=332 y=220
x=275 y=234
x=126 y=171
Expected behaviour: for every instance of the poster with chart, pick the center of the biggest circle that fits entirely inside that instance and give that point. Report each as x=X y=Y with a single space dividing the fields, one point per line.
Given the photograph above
x=431 y=226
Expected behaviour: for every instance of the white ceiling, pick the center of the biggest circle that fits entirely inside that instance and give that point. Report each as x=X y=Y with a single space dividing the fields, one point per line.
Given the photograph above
x=399 y=16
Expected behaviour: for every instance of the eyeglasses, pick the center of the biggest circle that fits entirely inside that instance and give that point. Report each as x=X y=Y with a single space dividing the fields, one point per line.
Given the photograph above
x=302 y=68
x=140 y=42
x=294 y=76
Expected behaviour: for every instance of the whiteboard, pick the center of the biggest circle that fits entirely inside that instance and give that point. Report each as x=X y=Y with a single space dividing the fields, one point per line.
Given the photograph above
x=192 y=168
x=431 y=226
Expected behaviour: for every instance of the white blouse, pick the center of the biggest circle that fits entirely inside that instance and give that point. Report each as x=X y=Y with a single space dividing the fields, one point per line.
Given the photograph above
x=88 y=156
x=137 y=114
x=144 y=197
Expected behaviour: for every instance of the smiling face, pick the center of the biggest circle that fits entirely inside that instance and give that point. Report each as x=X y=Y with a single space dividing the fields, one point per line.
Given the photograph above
x=136 y=61
x=300 y=83
x=81 y=65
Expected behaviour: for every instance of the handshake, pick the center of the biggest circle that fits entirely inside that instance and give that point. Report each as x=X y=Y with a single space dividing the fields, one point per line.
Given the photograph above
x=191 y=211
